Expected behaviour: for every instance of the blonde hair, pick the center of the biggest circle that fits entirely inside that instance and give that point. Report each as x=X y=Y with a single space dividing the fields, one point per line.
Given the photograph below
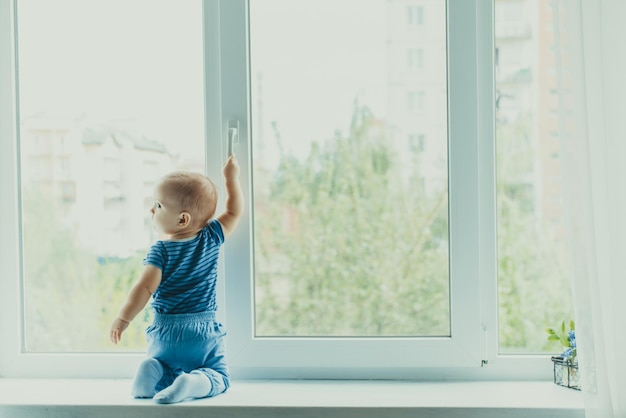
x=195 y=193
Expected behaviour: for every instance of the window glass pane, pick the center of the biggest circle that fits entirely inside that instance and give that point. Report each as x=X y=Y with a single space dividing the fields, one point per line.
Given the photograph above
x=110 y=99
x=533 y=276
x=350 y=168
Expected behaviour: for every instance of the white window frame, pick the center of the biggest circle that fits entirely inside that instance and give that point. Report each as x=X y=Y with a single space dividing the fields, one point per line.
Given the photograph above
x=473 y=261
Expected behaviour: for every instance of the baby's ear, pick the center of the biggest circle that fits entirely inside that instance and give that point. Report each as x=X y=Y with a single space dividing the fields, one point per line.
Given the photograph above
x=184 y=219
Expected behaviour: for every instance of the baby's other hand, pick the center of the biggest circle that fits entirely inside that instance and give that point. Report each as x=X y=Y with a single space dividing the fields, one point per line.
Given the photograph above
x=117 y=328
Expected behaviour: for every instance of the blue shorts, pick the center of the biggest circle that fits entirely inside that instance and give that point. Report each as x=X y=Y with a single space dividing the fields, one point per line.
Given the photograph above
x=186 y=342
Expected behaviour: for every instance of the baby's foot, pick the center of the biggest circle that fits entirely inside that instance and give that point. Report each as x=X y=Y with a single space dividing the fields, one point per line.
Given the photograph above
x=148 y=375
x=187 y=385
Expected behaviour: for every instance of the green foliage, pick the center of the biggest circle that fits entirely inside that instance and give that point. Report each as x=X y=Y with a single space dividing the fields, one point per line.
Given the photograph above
x=566 y=337
x=115 y=278
x=344 y=247
x=70 y=297
x=346 y=244
x=533 y=277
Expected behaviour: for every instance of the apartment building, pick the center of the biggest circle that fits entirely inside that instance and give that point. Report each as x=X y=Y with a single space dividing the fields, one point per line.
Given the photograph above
x=93 y=171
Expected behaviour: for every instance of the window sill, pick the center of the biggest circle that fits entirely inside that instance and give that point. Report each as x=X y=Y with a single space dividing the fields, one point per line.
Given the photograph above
x=288 y=398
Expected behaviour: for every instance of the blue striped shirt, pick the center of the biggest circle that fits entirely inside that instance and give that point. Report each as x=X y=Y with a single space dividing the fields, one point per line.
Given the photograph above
x=189 y=271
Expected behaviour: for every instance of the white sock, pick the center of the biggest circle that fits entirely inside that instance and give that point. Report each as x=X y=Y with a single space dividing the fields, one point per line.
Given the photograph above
x=187 y=385
x=148 y=375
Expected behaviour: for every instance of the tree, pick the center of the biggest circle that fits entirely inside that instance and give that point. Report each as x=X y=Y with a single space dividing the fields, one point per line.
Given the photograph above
x=533 y=286
x=70 y=296
x=344 y=247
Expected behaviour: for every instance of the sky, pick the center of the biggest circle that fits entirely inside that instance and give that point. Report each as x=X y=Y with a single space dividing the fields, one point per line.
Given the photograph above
x=134 y=59
x=142 y=60
x=315 y=61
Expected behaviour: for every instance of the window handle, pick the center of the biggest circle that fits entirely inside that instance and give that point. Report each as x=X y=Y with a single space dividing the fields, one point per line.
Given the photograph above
x=233 y=135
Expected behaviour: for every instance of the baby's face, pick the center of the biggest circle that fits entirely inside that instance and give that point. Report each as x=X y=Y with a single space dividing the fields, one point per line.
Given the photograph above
x=165 y=212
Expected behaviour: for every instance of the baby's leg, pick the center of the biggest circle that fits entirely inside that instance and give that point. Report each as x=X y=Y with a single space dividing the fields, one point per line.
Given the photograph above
x=210 y=379
x=219 y=378
x=148 y=375
x=197 y=384
x=215 y=369
x=188 y=385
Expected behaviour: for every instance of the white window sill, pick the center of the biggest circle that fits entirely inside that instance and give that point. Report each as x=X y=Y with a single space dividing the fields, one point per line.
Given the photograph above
x=290 y=398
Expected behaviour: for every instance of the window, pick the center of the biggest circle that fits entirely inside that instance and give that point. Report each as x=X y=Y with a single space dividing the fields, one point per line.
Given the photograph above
x=415 y=15
x=118 y=110
x=371 y=226
x=100 y=114
x=533 y=275
x=415 y=58
x=416 y=142
x=331 y=282
x=319 y=251
x=415 y=100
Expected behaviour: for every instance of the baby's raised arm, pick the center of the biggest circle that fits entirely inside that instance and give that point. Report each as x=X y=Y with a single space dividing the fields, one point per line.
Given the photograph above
x=234 y=196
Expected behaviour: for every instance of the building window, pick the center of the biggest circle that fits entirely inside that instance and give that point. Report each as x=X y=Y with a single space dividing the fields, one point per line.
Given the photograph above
x=415 y=15
x=415 y=100
x=417 y=142
x=415 y=58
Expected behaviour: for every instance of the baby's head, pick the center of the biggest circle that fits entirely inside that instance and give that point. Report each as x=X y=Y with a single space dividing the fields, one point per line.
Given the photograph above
x=188 y=192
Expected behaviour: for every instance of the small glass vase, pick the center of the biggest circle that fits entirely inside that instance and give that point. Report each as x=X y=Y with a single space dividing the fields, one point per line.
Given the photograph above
x=566 y=373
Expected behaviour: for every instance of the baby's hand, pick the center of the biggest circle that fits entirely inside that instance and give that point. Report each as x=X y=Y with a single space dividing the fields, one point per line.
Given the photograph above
x=231 y=168
x=117 y=328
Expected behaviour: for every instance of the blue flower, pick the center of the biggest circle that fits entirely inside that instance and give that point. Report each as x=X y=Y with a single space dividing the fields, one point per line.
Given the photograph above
x=571 y=337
